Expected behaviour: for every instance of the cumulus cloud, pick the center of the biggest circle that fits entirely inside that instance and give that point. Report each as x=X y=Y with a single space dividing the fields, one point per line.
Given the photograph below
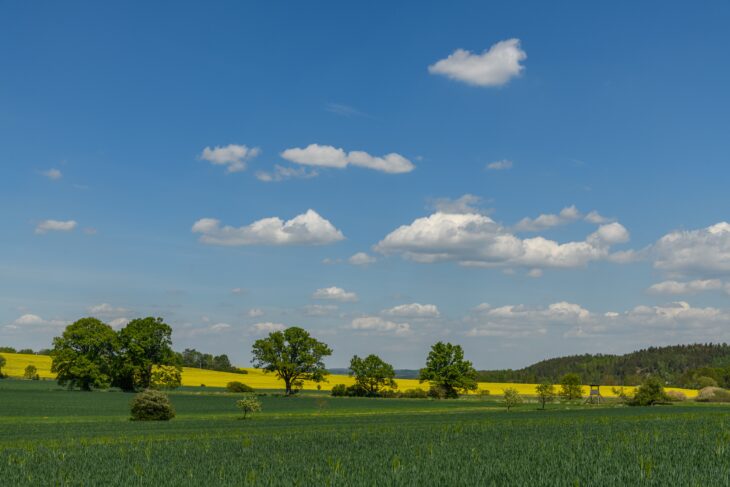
x=704 y=252
x=379 y=325
x=361 y=258
x=477 y=240
x=53 y=174
x=55 y=226
x=413 y=310
x=30 y=319
x=281 y=173
x=332 y=157
x=233 y=156
x=548 y=220
x=118 y=323
x=305 y=229
x=689 y=287
x=267 y=327
x=494 y=67
x=499 y=165
x=319 y=309
x=106 y=310
x=467 y=203
x=596 y=218
x=335 y=294
x=521 y=321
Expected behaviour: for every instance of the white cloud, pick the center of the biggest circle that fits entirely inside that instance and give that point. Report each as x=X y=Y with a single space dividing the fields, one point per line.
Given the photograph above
x=414 y=310
x=118 y=323
x=233 y=156
x=494 y=67
x=705 y=251
x=535 y=273
x=54 y=174
x=690 y=287
x=238 y=291
x=477 y=240
x=549 y=220
x=335 y=294
x=220 y=327
x=255 y=312
x=596 y=218
x=328 y=156
x=379 y=325
x=319 y=309
x=305 y=229
x=35 y=320
x=267 y=327
x=500 y=165
x=467 y=203
x=106 y=310
x=361 y=258
x=55 y=226
x=281 y=173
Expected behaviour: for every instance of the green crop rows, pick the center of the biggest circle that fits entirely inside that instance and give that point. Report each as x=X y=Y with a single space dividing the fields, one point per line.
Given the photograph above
x=54 y=437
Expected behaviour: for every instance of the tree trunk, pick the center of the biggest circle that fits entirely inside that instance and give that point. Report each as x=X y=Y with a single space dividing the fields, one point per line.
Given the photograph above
x=287 y=384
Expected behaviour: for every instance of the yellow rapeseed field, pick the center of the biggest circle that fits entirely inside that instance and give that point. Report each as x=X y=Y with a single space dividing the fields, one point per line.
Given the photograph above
x=259 y=379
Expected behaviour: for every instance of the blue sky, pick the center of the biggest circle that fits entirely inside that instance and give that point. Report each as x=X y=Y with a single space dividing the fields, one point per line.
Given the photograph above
x=133 y=135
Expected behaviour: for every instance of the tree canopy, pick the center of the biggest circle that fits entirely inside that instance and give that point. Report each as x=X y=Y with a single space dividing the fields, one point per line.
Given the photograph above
x=372 y=374
x=293 y=355
x=446 y=369
x=83 y=354
x=143 y=343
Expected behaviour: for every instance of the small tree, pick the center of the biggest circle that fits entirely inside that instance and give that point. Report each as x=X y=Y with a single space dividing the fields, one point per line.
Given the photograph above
x=152 y=405
x=293 y=355
x=649 y=393
x=166 y=377
x=372 y=374
x=447 y=370
x=249 y=404
x=545 y=393
x=570 y=387
x=511 y=398
x=31 y=372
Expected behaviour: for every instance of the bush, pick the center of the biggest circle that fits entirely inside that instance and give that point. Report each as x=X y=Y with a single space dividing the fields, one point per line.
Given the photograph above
x=339 y=390
x=236 y=386
x=152 y=405
x=440 y=392
x=649 y=393
x=713 y=394
x=414 y=394
x=31 y=372
x=676 y=396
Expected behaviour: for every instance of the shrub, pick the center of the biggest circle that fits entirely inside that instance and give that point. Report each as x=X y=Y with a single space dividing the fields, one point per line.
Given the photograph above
x=249 y=404
x=441 y=392
x=414 y=394
x=339 y=390
x=713 y=394
x=483 y=393
x=649 y=393
x=676 y=396
x=236 y=386
x=31 y=372
x=152 y=405
x=704 y=381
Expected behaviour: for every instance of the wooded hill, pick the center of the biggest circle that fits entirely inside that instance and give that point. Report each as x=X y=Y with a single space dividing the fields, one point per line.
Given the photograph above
x=678 y=365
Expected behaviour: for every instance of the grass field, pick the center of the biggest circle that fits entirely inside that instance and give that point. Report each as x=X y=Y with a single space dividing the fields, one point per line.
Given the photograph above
x=258 y=379
x=51 y=436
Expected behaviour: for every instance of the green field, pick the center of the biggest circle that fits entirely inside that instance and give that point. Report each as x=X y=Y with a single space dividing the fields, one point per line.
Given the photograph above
x=51 y=436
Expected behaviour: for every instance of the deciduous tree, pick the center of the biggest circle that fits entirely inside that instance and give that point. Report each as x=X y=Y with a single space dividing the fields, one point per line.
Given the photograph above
x=570 y=387
x=447 y=370
x=372 y=374
x=293 y=355
x=143 y=343
x=82 y=355
x=545 y=393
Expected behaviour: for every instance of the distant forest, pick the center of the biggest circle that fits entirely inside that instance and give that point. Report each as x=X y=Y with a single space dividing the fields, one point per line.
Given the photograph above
x=678 y=365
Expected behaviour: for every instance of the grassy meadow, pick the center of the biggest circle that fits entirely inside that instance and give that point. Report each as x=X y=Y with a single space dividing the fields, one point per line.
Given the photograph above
x=52 y=436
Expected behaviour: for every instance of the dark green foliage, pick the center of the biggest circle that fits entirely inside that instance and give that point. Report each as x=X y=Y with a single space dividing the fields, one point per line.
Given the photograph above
x=570 y=387
x=447 y=370
x=152 y=405
x=293 y=355
x=31 y=372
x=649 y=393
x=677 y=365
x=83 y=354
x=2 y=364
x=192 y=358
x=372 y=374
x=339 y=390
x=143 y=343
x=7 y=350
x=545 y=393
x=27 y=351
x=236 y=386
